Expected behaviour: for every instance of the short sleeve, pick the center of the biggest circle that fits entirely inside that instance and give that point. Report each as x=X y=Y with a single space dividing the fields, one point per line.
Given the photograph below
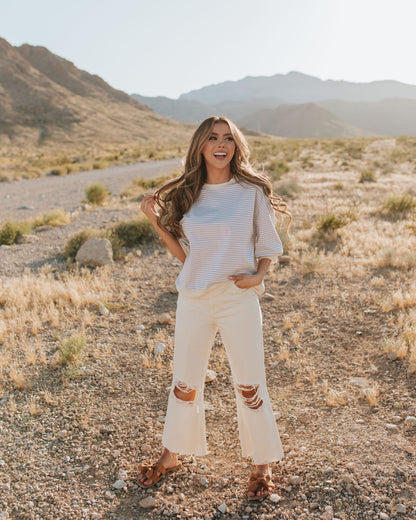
x=268 y=243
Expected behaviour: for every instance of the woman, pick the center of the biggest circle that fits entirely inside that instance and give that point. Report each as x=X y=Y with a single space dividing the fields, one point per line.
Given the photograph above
x=218 y=220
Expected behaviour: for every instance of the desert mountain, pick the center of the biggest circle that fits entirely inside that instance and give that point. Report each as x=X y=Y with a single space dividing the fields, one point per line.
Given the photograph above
x=296 y=87
x=379 y=107
x=304 y=120
x=386 y=117
x=44 y=97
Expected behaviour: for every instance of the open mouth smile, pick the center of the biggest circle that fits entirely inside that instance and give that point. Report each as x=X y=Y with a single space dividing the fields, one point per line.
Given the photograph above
x=220 y=154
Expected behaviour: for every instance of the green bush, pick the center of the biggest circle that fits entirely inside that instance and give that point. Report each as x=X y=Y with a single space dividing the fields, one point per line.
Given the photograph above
x=399 y=205
x=10 y=231
x=277 y=169
x=133 y=232
x=331 y=221
x=75 y=241
x=97 y=193
x=367 y=176
x=56 y=217
x=71 y=350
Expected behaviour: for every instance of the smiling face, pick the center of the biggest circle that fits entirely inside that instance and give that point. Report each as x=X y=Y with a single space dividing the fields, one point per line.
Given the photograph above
x=219 y=148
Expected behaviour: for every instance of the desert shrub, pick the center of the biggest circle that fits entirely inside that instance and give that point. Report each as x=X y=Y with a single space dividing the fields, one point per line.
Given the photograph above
x=71 y=350
x=97 y=193
x=133 y=232
x=399 y=205
x=58 y=172
x=10 y=231
x=75 y=241
x=155 y=182
x=338 y=186
x=354 y=150
x=289 y=188
x=99 y=165
x=277 y=168
x=367 y=176
x=331 y=222
x=56 y=217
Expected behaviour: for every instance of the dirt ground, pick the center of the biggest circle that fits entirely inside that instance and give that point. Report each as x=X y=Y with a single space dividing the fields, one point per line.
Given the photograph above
x=66 y=437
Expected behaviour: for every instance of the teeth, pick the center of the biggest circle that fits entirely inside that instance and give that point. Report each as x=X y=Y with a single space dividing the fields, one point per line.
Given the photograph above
x=220 y=153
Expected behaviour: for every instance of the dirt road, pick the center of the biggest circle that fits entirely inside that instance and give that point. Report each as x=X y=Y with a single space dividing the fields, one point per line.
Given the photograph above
x=33 y=196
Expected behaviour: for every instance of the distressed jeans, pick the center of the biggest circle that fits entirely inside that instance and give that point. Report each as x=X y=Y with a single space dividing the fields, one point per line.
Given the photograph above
x=237 y=315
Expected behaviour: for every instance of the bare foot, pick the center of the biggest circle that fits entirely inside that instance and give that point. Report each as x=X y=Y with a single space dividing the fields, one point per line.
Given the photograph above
x=167 y=459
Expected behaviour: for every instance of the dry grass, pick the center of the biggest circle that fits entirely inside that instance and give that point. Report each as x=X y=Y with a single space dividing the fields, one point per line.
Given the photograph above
x=18 y=163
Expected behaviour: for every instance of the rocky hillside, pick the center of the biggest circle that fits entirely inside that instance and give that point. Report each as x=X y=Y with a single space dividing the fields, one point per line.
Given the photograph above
x=298 y=121
x=44 y=97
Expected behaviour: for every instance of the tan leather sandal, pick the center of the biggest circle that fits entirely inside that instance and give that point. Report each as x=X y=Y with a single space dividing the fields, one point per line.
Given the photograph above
x=259 y=483
x=154 y=471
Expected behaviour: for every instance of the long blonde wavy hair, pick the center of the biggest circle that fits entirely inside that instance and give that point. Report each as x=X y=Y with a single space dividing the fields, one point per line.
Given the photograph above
x=176 y=197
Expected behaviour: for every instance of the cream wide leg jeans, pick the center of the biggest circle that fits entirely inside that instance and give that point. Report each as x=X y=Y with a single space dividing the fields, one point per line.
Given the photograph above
x=237 y=315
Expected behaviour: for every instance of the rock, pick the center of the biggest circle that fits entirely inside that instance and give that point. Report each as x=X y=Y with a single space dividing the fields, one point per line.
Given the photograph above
x=175 y=509
x=401 y=508
x=204 y=482
x=104 y=310
x=410 y=421
x=122 y=474
x=295 y=480
x=329 y=470
x=27 y=239
x=95 y=252
x=26 y=207
x=4 y=246
x=347 y=479
x=276 y=415
x=159 y=348
x=268 y=296
x=222 y=508
x=139 y=328
x=210 y=375
x=383 y=516
x=40 y=229
x=119 y=484
x=328 y=514
x=274 y=497
x=109 y=495
x=351 y=465
x=392 y=427
x=284 y=259
x=147 y=502
x=164 y=318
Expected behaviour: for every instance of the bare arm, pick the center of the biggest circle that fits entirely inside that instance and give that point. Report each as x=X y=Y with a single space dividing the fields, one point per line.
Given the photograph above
x=167 y=238
x=244 y=281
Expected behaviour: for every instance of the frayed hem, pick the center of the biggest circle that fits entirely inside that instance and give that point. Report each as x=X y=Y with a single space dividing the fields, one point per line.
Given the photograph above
x=187 y=453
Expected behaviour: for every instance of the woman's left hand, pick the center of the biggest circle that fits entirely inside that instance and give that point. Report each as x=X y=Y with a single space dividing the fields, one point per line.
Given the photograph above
x=245 y=281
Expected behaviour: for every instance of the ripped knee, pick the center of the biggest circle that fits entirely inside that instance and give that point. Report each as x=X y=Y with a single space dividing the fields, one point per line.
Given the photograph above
x=250 y=395
x=184 y=392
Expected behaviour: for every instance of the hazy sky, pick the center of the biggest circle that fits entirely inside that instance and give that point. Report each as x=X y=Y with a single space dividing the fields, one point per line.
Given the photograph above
x=168 y=47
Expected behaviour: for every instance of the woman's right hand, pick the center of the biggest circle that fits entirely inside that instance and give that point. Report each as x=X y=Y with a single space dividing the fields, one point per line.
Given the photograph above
x=148 y=208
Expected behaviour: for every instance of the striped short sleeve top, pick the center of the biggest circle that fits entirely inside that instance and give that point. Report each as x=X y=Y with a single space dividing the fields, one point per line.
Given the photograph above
x=227 y=230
